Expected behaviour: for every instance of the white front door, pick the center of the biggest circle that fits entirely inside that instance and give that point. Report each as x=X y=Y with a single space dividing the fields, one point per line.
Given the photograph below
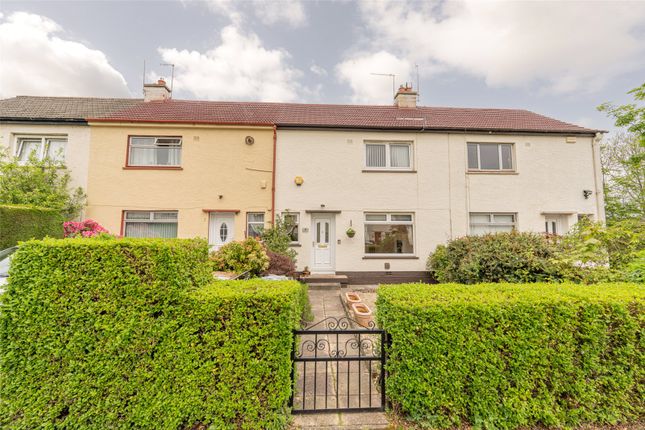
x=322 y=228
x=221 y=229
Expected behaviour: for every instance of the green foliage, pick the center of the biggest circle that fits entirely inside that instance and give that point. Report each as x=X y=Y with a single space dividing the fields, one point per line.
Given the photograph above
x=43 y=183
x=623 y=160
x=18 y=223
x=132 y=333
x=500 y=257
x=278 y=237
x=504 y=356
x=635 y=270
x=248 y=255
x=592 y=252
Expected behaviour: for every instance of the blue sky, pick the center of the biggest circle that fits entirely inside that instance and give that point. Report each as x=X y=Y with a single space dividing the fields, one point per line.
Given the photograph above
x=560 y=59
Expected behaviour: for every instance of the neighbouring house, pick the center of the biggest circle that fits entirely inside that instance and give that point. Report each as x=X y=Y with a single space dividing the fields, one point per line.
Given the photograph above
x=54 y=127
x=162 y=169
x=404 y=178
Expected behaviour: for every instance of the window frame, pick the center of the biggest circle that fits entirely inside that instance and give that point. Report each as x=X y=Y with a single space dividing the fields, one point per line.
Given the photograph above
x=389 y=221
x=151 y=219
x=43 y=146
x=296 y=227
x=499 y=157
x=388 y=159
x=491 y=222
x=248 y=223
x=128 y=153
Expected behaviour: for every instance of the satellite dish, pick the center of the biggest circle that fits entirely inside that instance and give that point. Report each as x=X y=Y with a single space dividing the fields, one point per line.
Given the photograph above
x=249 y=140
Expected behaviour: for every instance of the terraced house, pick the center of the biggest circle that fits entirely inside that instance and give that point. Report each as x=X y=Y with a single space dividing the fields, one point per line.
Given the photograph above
x=371 y=190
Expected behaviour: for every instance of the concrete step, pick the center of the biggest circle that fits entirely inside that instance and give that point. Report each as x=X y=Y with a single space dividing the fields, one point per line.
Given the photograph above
x=345 y=421
x=320 y=279
x=324 y=285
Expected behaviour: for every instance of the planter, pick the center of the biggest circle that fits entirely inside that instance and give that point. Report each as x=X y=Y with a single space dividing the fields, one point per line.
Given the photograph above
x=350 y=232
x=362 y=314
x=351 y=297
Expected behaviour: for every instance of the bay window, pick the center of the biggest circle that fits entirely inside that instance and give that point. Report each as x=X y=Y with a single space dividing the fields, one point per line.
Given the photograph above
x=389 y=233
x=154 y=151
x=155 y=224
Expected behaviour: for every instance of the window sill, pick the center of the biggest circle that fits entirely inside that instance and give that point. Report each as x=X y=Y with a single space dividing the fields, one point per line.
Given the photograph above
x=295 y=245
x=491 y=172
x=153 y=168
x=390 y=257
x=387 y=171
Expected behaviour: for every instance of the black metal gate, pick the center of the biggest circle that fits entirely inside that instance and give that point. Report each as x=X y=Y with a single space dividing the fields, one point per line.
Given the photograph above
x=338 y=366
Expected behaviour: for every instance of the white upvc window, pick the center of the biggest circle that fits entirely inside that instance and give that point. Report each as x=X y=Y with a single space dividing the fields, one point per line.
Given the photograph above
x=41 y=147
x=254 y=224
x=491 y=157
x=293 y=220
x=389 y=233
x=154 y=151
x=388 y=155
x=488 y=222
x=157 y=224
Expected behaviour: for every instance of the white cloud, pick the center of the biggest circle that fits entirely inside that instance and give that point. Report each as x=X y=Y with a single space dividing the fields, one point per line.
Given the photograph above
x=564 y=47
x=240 y=68
x=368 y=88
x=34 y=61
x=269 y=12
x=318 y=70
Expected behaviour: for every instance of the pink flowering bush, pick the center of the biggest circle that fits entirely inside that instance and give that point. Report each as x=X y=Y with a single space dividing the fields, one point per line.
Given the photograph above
x=87 y=228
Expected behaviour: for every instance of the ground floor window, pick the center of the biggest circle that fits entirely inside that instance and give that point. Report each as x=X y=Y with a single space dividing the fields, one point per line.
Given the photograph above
x=150 y=224
x=254 y=224
x=483 y=222
x=389 y=233
x=293 y=223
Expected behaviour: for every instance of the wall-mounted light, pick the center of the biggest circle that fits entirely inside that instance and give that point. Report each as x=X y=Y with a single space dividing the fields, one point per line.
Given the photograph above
x=298 y=180
x=221 y=196
x=587 y=193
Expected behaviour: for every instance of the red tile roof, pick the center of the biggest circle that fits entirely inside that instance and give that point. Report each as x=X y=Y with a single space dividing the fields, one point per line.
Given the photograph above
x=281 y=114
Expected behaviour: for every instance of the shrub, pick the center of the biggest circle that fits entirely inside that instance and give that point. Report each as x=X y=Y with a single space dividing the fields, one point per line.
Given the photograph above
x=18 y=223
x=278 y=238
x=507 y=356
x=127 y=333
x=635 y=271
x=280 y=264
x=500 y=257
x=248 y=255
x=87 y=228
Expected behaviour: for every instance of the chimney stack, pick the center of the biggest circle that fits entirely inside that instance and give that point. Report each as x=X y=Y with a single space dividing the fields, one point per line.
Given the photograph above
x=156 y=92
x=405 y=97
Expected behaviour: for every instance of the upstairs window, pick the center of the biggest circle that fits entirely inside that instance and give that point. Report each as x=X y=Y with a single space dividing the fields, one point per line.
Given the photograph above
x=52 y=148
x=150 y=224
x=154 y=151
x=483 y=223
x=490 y=157
x=386 y=156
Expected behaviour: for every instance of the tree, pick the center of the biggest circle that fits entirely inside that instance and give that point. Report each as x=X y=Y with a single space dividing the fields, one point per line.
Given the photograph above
x=623 y=160
x=44 y=183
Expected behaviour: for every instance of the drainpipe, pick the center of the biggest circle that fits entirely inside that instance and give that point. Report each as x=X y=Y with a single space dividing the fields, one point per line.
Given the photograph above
x=275 y=146
x=597 y=177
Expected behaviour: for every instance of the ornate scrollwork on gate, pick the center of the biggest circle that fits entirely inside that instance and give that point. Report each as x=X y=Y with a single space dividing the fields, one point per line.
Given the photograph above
x=353 y=347
x=343 y=323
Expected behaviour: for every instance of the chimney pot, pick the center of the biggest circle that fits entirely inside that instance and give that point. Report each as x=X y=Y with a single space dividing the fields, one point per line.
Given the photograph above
x=405 y=97
x=156 y=91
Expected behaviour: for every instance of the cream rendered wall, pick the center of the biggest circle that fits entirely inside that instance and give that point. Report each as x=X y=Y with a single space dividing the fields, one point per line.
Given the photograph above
x=551 y=176
x=76 y=152
x=215 y=161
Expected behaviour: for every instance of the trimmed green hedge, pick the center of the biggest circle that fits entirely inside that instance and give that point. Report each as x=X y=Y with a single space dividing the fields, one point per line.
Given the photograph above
x=512 y=355
x=18 y=223
x=133 y=333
